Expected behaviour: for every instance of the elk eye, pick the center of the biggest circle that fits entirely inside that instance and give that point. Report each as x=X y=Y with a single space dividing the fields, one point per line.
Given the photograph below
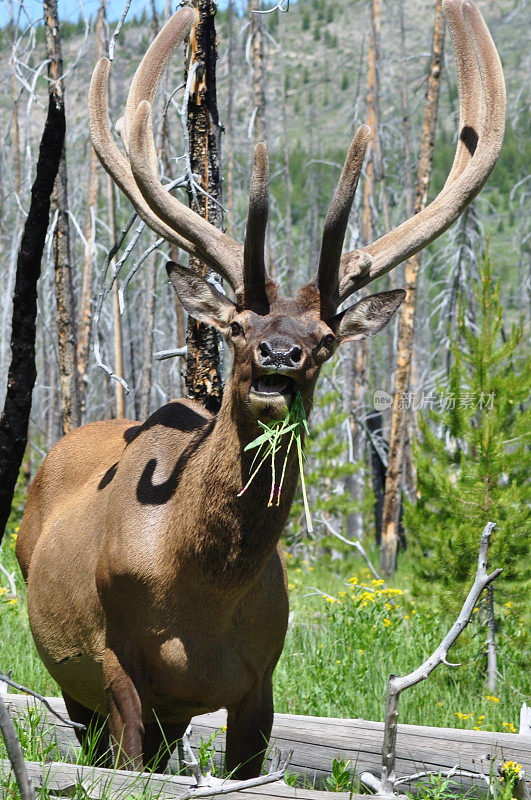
x=327 y=341
x=236 y=328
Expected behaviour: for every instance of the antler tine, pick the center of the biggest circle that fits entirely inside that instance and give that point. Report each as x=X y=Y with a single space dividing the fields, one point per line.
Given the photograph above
x=468 y=174
x=149 y=72
x=253 y=293
x=337 y=219
x=218 y=250
x=115 y=163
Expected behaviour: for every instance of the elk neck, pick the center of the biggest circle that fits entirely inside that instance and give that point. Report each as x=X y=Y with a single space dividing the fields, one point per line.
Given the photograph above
x=242 y=531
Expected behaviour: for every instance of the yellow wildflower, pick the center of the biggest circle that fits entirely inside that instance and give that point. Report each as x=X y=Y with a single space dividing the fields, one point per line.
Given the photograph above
x=511 y=769
x=291 y=586
x=491 y=697
x=406 y=616
x=223 y=729
x=13 y=601
x=353 y=581
x=439 y=703
x=387 y=622
x=361 y=651
x=509 y=604
x=342 y=594
x=510 y=727
x=378 y=583
x=330 y=599
x=338 y=662
x=460 y=715
x=3 y=591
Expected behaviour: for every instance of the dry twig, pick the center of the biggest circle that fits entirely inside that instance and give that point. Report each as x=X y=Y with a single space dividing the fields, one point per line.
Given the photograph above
x=43 y=700
x=397 y=684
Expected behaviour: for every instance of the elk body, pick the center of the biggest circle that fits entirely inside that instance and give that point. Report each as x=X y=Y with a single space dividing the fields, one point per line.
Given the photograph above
x=155 y=591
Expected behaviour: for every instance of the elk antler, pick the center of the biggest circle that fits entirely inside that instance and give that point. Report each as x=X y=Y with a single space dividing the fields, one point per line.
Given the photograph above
x=254 y=294
x=337 y=220
x=482 y=124
x=162 y=212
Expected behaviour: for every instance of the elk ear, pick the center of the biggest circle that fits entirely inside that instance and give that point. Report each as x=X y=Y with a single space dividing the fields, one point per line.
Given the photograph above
x=367 y=317
x=202 y=300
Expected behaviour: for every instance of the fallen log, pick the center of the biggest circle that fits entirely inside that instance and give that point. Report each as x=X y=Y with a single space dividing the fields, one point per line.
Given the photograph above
x=316 y=741
x=97 y=783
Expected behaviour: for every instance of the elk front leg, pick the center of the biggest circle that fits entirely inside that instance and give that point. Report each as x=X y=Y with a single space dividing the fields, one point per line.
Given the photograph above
x=125 y=710
x=248 y=731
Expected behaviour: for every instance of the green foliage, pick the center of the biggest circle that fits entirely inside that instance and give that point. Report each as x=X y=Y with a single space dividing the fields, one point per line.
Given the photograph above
x=288 y=431
x=341 y=778
x=305 y=20
x=345 y=82
x=437 y=787
x=472 y=462
x=328 y=467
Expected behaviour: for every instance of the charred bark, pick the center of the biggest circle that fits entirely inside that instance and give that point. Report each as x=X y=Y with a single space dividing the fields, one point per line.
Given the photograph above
x=203 y=365
x=66 y=327
x=22 y=370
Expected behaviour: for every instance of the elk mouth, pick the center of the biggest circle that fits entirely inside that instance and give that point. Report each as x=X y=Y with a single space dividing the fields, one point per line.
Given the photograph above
x=274 y=385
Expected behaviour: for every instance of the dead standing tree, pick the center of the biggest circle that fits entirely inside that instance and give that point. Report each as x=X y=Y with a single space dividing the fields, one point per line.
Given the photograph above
x=22 y=370
x=373 y=175
x=203 y=363
x=85 y=306
x=393 y=481
x=70 y=401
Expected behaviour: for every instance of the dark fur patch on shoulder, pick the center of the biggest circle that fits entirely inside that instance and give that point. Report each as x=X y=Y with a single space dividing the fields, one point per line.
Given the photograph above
x=109 y=475
x=469 y=138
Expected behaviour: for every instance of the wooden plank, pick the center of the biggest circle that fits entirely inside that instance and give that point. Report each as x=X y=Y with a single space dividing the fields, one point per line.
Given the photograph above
x=98 y=783
x=316 y=741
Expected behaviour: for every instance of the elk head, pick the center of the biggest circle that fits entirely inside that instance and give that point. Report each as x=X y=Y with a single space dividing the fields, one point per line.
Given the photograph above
x=279 y=344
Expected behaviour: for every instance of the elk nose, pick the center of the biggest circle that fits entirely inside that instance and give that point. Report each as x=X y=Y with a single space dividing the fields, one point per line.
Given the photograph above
x=273 y=356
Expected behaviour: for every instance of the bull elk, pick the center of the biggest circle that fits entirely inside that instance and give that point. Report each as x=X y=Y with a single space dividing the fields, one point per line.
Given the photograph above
x=156 y=591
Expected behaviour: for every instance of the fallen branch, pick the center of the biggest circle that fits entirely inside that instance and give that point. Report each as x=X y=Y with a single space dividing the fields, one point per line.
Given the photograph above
x=219 y=787
x=397 y=684
x=208 y=785
x=44 y=701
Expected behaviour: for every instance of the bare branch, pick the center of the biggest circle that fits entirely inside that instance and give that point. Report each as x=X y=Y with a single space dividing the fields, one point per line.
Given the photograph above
x=43 y=700
x=162 y=355
x=114 y=37
x=353 y=543
x=439 y=656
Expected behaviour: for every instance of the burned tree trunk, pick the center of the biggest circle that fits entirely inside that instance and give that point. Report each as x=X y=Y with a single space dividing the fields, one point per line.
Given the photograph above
x=70 y=403
x=22 y=369
x=229 y=126
x=203 y=365
x=393 y=482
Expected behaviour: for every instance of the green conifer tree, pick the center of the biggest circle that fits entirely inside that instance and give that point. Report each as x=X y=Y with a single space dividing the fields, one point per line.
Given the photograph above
x=473 y=464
